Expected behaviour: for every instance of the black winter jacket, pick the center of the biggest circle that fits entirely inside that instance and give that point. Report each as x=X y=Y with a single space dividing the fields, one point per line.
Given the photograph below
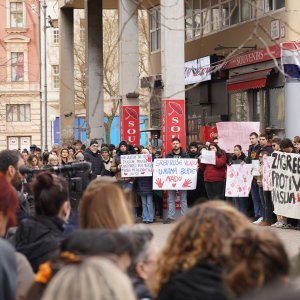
x=201 y=282
x=253 y=153
x=181 y=154
x=97 y=163
x=38 y=238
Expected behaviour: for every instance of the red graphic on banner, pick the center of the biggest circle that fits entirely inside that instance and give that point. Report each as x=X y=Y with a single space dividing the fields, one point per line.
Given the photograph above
x=173 y=123
x=130 y=124
x=208 y=133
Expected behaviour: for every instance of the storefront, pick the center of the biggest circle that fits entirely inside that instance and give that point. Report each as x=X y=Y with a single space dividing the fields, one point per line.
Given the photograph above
x=256 y=89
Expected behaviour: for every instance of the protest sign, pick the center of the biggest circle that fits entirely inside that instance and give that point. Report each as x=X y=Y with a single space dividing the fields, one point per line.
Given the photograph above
x=255 y=167
x=208 y=157
x=136 y=165
x=267 y=173
x=175 y=174
x=286 y=184
x=232 y=133
x=238 y=181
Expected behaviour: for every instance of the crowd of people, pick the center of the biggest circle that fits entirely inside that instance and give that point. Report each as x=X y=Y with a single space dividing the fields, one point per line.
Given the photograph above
x=52 y=248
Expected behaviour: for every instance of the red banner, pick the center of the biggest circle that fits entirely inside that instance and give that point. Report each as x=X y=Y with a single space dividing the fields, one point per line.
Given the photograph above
x=208 y=133
x=173 y=123
x=130 y=124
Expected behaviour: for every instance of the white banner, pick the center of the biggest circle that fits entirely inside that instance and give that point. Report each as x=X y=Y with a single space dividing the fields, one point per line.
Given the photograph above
x=286 y=184
x=267 y=173
x=238 y=181
x=175 y=174
x=197 y=70
x=136 y=165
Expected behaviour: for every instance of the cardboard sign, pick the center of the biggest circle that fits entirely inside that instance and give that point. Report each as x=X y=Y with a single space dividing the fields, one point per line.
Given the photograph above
x=238 y=181
x=208 y=157
x=173 y=123
x=267 y=173
x=232 y=133
x=286 y=184
x=130 y=124
x=175 y=174
x=136 y=165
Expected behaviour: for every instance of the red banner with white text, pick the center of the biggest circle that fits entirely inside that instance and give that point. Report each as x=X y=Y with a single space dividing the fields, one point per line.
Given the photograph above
x=173 y=123
x=130 y=124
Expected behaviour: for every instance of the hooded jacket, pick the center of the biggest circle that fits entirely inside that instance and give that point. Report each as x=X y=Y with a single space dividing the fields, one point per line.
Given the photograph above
x=96 y=160
x=38 y=237
x=181 y=154
x=202 y=282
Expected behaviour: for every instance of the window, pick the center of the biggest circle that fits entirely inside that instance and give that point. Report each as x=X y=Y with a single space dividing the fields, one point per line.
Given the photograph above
x=155 y=32
x=18 y=112
x=18 y=142
x=16 y=14
x=206 y=16
x=17 y=66
x=55 y=76
x=55 y=35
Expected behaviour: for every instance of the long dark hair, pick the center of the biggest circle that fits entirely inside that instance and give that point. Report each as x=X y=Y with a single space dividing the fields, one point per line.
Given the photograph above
x=220 y=152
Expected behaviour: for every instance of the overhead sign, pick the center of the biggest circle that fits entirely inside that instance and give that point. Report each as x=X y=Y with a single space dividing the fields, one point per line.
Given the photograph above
x=197 y=70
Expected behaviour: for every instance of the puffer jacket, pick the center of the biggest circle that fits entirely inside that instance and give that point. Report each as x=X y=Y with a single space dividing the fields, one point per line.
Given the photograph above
x=97 y=163
x=217 y=172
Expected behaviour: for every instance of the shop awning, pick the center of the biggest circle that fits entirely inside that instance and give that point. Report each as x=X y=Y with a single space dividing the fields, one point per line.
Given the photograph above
x=254 y=80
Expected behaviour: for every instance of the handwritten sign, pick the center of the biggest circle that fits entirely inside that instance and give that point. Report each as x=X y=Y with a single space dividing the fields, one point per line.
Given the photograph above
x=208 y=157
x=136 y=165
x=229 y=131
x=175 y=174
x=286 y=184
x=238 y=181
x=267 y=173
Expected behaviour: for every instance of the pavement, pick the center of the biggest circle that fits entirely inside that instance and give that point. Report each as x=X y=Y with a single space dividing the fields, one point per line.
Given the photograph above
x=290 y=238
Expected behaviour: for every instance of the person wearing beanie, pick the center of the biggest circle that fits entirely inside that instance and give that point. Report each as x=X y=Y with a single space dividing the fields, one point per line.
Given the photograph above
x=93 y=155
x=125 y=182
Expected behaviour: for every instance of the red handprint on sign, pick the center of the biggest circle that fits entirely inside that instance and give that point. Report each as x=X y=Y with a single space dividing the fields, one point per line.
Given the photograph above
x=159 y=182
x=187 y=183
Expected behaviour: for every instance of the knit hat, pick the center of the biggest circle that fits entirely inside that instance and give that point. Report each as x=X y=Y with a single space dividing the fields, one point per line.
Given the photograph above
x=93 y=142
x=193 y=144
x=104 y=149
x=111 y=147
x=123 y=143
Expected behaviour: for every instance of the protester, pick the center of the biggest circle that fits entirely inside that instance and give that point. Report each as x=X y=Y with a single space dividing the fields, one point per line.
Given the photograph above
x=256 y=258
x=64 y=154
x=79 y=156
x=91 y=278
x=215 y=175
x=16 y=275
x=137 y=149
x=287 y=146
x=192 y=261
x=38 y=237
x=276 y=144
x=125 y=182
x=107 y=161
x=199 y=194
x=297 y=144
x=93 y=155
x=103 y=205
x=53 y=160
x=25 y=155
x=144 y=258
x=144 y=189
x=253 y=153
x=33 y=161
x=264 y=144
x=71 y=153
x=177 y=152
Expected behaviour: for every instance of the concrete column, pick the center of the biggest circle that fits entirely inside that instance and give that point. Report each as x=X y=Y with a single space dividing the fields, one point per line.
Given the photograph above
x=292 y=108
x=129 y=69
x=172 y=63
x=94 y=69
x=66 y=65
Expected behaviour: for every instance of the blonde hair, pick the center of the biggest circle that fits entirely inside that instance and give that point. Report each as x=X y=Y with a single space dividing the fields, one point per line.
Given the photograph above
x=53 y=157
x=103 y=205
x=93 y=279
x=200 y=235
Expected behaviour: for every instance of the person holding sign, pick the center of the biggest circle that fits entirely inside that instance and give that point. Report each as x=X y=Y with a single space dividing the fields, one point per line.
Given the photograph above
x=215 y=175
x=177 y=152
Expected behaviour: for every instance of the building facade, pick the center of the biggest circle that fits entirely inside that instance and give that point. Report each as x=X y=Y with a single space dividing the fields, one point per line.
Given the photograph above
x=20 y=110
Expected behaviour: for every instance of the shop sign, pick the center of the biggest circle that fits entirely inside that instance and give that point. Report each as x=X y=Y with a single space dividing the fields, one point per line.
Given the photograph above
x=173 y=123
x=253 y=57
x=208 y=133
x=130 y=124
x=275 y=29
x=197 y=70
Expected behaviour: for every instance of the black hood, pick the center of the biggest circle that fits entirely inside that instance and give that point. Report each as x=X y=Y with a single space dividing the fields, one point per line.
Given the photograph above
x=88 y=150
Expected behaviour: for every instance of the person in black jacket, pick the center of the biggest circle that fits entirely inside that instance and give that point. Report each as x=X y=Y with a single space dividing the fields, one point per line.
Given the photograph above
x=177 y=152
x=38 y=237
x=93 y=155
x=191 y=263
